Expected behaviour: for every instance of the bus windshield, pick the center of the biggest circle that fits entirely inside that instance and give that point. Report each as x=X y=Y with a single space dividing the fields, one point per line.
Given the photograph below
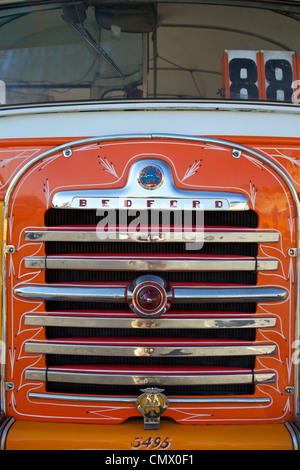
x=94 y=50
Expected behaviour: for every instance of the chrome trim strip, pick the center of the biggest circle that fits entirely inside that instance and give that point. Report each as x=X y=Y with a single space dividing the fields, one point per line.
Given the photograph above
x=83 y=398
x=172 y=137
x=4 y=429
x=266 y=265
x=117 y=199
x=128 y=350
x=180 y=294
x=211 y=263
x=47 y=292
x=150 y=323
x=40 y=375
x=150 y=104
x=223 y=236
x=36 y=262
x=148 y=379
x=228 y=294
x=264 y=378
x=294 y=433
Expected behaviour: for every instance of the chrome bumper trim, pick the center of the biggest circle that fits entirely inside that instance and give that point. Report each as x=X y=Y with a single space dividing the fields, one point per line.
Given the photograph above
x=163 y=264
x=242 y=236
x=148 y=323
x=78 y=293
x=4 y=429
x=107 y=399
x=228 y=294
x=129 y=350
x=180 y=294
x=148 y=379
x=294 y=433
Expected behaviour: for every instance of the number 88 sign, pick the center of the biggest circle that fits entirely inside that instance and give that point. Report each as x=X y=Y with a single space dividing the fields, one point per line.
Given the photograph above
x=260 y=75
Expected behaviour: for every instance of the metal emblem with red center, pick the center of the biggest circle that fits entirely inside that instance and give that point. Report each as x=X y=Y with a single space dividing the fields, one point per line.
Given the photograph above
x=148 y=296
x=150 y=177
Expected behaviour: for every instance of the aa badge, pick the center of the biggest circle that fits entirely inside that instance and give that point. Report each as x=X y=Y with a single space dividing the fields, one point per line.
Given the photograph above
x=152 y=403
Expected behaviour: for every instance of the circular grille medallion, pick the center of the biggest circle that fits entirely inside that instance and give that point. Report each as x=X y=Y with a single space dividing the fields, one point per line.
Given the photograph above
x=151 y=177
x=148 y=297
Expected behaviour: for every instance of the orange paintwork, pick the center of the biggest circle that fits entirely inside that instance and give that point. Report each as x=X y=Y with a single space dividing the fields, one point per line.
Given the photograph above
x=24 y=435
x=85 y=169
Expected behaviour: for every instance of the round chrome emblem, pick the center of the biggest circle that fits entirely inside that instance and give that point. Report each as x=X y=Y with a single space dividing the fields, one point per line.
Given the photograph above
x=151 y=177
x=148 y=296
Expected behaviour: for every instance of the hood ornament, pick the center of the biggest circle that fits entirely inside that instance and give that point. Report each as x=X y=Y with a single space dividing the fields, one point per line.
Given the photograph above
x=152 y=403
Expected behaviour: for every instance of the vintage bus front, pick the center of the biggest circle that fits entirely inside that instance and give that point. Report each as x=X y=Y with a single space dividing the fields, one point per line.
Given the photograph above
x=149 y=186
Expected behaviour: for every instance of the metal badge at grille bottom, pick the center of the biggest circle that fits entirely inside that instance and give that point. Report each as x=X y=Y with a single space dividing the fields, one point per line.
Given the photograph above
x=152 y=403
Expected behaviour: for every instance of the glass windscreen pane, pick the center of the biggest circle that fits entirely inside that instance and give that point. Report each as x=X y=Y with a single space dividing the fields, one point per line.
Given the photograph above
x=72 y=51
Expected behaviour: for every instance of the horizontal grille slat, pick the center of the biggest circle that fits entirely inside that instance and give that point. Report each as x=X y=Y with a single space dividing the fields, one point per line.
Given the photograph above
x=77 y=217
x=146 y=348
x=104 y=378
x=162 y=377
x=173 y=390
x=186 y=294
x=247 y=334
x=59 y=326
x=246 y=307
x=246 y=362
x=119 y=320
x=213 y=248
x=210 y=277
x=90 y=240
x=184 y=247
x=148 y=263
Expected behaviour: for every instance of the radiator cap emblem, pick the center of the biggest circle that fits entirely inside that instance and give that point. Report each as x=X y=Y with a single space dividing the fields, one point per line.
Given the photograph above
x=151 y=177
x=152 y=403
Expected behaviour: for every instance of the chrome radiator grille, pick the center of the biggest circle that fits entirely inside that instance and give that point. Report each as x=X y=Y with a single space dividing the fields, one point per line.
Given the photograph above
x=205 y=344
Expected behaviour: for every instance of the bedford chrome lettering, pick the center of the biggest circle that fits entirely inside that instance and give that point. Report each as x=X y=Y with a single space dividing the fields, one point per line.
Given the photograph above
x=153 y=203
x=144 y=175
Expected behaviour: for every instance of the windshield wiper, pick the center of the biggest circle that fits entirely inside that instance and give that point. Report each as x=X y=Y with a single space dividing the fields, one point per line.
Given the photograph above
x=87 y=36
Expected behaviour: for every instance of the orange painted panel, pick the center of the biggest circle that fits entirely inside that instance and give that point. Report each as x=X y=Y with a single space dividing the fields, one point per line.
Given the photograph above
x=194 y=166
x=25 y=435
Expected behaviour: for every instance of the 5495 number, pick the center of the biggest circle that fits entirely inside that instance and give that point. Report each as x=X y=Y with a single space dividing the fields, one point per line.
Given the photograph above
x=151 y=443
